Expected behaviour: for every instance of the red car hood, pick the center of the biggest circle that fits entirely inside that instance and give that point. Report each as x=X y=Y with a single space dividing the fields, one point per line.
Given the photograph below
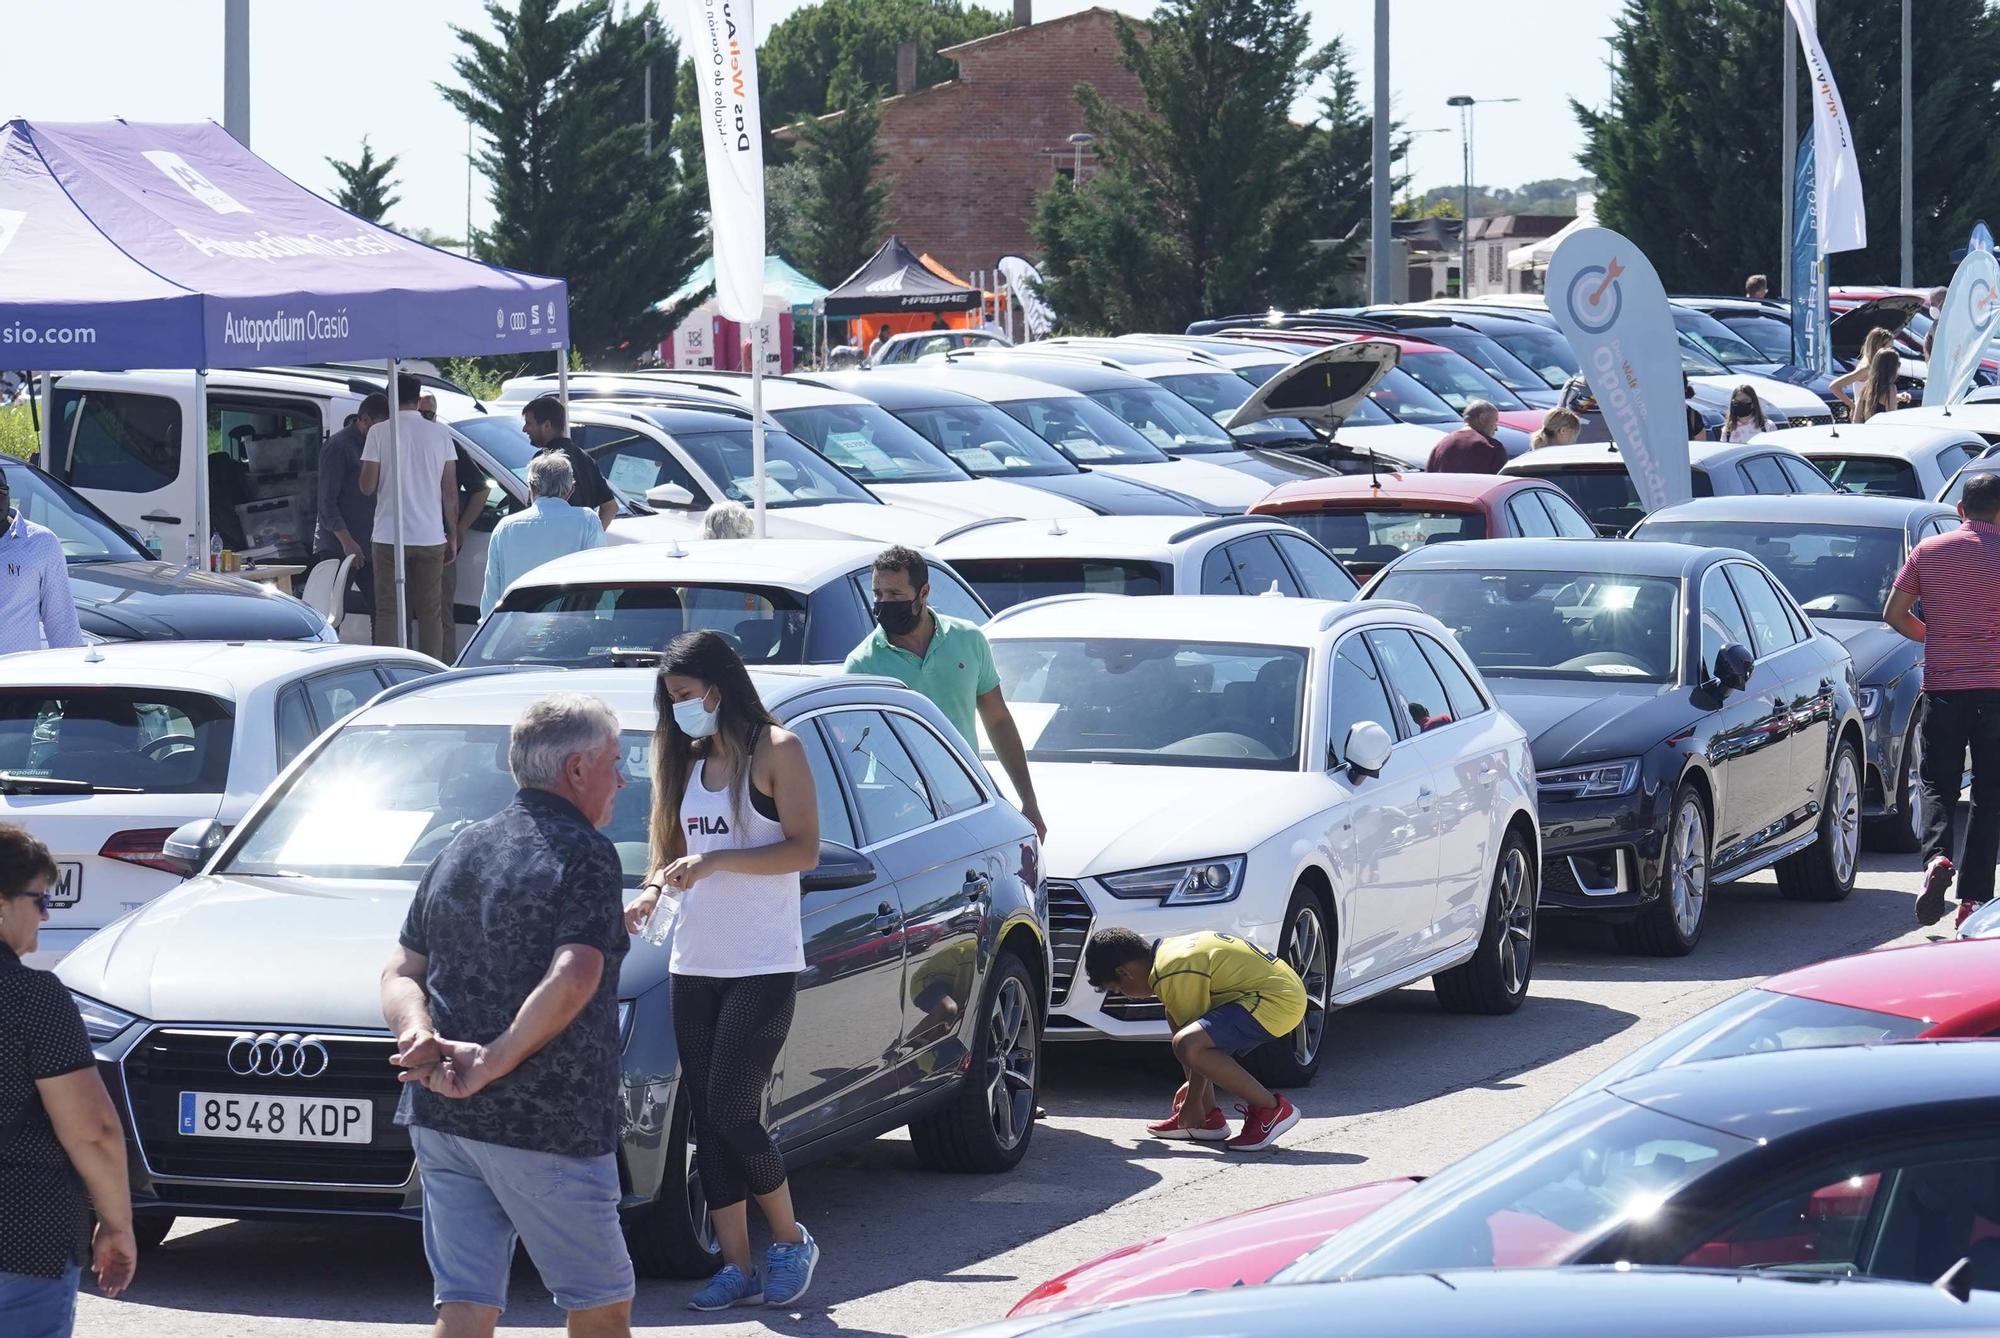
x=1522 y=420
x=1244 y=1249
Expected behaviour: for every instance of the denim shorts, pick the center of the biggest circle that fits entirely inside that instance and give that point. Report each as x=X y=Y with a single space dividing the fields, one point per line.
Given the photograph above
x=34 y=1307
x=1234 y=1029
x=479 y=1197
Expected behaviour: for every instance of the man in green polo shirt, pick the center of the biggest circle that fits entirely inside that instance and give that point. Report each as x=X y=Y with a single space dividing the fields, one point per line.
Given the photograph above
x=946 y=659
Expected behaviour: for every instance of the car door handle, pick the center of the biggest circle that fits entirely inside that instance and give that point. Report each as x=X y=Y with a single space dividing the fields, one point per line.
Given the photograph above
x=976 y=884
x=1487 y=772
x=887 y=919
x=1425 y=795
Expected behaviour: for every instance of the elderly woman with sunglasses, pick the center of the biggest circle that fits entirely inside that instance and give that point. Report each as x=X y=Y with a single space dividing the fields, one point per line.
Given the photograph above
x=62 y=1152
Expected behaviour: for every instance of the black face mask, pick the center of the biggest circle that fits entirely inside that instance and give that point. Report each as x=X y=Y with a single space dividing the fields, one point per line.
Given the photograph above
x=897 y=616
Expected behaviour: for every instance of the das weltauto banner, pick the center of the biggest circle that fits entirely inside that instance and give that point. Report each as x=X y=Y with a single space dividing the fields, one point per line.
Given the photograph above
x=722 y=44
x=1843 y=222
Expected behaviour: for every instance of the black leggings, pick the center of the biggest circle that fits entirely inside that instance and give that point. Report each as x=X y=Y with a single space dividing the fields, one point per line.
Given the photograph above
x=730 y=1030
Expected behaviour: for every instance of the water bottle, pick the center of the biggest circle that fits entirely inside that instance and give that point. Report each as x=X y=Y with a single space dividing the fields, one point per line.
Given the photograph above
x=191 y=557
x=153 y=541
x=660 y=924
x=215 y=552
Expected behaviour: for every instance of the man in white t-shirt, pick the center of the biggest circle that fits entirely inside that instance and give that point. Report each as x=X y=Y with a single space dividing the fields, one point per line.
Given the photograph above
x=423 y=491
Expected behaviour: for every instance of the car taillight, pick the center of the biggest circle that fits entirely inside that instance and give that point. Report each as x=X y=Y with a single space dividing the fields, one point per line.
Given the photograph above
x=141 y=846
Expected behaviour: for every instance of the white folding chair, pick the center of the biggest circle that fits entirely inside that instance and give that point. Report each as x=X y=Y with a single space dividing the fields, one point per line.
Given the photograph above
x=326 y=588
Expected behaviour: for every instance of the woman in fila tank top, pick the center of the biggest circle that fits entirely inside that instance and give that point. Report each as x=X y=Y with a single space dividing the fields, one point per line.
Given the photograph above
x=735 y=822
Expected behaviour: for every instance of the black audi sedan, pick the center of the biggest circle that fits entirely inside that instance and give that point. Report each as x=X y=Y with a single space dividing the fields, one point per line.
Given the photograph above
x=123 y=594
x=1837 y=556
x=1690 y=724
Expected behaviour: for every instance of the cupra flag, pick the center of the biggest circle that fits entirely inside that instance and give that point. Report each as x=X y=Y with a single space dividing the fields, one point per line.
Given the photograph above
x=722 y=43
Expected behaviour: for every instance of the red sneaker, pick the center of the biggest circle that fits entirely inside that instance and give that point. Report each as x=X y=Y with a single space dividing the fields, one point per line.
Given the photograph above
x=1965 y=908
x=1262 y=1127
x=1937 y=879
x=1212 y=1130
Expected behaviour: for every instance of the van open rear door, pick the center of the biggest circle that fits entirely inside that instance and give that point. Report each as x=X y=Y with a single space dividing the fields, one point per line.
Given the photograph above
x=132 y=443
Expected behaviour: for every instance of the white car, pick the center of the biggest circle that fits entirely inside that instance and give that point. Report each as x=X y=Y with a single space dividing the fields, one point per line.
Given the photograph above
x=907 y=347
x=1594 y=475
x=1982 y=417
x=106 y=750
x=778 y=601
x=1331 y=782
x=1882 y=457
x=1015 y=561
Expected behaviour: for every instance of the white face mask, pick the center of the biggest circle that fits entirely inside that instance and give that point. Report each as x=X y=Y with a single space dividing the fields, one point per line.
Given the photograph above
x=694 y=717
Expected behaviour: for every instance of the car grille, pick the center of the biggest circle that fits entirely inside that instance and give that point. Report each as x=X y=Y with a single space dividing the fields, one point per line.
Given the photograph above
x=168 y=1061
x=1811 y=419
x=1558 y=880
x=1070 y=919
x=1147 y=1009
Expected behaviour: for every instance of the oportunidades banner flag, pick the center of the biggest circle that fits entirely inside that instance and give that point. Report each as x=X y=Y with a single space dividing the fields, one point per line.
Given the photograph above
x=1843 y=221
x=722 y=43
x=1964 y=324
x=1609 y=301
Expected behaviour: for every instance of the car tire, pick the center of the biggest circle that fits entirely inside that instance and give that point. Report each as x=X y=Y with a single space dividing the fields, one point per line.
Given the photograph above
x=671 y=1237
x=1824 y=870
x=991 y=1119
x=150 y=1229
x=1671 y=925
x=1307 y=944
x=1495 y=979
x=1901 y=830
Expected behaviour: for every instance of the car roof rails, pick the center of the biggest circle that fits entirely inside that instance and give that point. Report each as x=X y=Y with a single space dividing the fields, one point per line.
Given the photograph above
x=1218 y=523
x=638 y=402
x=1295 y=320
x=1349 y=607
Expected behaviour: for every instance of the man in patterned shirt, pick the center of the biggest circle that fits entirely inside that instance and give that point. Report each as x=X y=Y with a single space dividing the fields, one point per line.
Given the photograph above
x=503 y=994
x=36 y=606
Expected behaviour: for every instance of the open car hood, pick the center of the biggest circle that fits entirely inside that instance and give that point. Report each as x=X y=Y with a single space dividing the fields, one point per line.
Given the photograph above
x=1321 y=387
x=1850 y=328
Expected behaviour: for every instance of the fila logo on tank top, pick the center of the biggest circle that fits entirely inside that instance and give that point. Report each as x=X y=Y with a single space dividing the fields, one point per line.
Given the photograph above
x=734 y=924
x=702 y=826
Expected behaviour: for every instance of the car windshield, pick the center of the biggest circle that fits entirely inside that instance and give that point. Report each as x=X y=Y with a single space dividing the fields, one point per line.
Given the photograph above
x=1005 y=582
x=1404 y=399
x=1833 y=571
x=986 y=443
x=870 y=443
x=1756 y=1021
x=1542 y=349
x=1770 y=336
x=502 y=437
x=1166 y=420
x=580 y=626
x=794 y=474
x=1540 y=1196
x=1698 y=361
x=1552 y=624
x=1156 y=703
x=1606 y=493
x=57 y=740
x=1490 y=357
x=381 y=802
x=87 y=534
x=1717 y=340
x=1453 y=378
x=1084 y=430
x=1373 y=539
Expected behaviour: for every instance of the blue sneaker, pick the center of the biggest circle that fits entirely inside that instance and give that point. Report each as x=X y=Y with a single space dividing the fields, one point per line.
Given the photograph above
x=789 y=1269
x=732 y=1286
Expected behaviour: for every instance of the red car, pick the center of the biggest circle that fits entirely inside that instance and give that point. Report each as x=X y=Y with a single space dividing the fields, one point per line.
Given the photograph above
x=1932 y=990
x=1368 y=521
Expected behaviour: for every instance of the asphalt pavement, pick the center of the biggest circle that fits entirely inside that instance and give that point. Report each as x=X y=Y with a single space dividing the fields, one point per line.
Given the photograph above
x=1405 y=1090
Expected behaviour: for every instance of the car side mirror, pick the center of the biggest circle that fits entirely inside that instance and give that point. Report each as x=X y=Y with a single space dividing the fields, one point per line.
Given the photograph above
x=1733 y=666
x=671 y=495
x=1366 y=749
x=190 y=845
x=840 y=867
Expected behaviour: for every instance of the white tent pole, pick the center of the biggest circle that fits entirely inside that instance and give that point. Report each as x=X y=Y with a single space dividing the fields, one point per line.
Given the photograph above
x=45 y=389
x=204 y=524
x=392 y=474
x=757 y=420
x=562 y=382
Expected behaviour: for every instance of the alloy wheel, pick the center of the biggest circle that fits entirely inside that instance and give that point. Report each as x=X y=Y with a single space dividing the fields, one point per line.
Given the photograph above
x=697 y=1199
x=1845 y=806
x=1011 y=1062
x=1517 y=920
x=1307 y=953
x=1913 y=786
x=1687 y=874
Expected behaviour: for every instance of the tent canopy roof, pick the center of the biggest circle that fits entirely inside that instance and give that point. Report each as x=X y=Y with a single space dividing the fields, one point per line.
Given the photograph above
x=781 y=280
x=894 y=279
x=127 y=244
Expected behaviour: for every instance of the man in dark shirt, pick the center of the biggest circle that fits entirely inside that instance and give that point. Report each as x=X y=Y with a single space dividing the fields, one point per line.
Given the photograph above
x=546 y=421
x=345 y=521
x=503 y=994
x=1471 y=449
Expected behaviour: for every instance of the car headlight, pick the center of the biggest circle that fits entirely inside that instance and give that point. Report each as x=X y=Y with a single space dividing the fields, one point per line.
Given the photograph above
x=1196 y=883
x=1871 y=702
x=1600 y=780
x=101 y=1022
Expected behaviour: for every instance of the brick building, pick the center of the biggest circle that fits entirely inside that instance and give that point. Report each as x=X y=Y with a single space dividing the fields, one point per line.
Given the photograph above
x=965 y=159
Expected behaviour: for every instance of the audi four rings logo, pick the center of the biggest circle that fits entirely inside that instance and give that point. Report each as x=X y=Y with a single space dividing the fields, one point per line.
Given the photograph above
x=273 y=1056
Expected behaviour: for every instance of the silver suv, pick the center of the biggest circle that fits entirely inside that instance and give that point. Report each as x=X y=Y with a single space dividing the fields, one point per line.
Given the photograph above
x=922 y=1001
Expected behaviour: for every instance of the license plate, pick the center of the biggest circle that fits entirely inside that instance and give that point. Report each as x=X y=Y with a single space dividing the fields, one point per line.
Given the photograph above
x=284 y=1119
x=68 y=889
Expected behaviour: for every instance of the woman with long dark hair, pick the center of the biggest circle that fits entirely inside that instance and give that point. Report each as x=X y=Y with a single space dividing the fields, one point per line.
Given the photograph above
x=1746 y=415
x=1879 y=394
x=735 y=822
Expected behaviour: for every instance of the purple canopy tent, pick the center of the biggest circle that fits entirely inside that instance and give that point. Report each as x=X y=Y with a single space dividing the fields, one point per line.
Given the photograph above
x=126 y=245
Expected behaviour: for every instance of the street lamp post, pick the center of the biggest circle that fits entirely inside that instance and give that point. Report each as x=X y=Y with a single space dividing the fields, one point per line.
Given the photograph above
x=1076 y=143
x=1465 y=104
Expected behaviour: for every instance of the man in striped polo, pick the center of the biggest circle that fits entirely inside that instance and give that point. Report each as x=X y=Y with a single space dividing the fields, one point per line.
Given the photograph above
x=1957 y=578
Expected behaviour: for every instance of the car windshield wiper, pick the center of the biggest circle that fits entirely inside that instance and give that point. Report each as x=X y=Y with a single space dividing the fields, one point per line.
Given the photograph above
x=13 y=782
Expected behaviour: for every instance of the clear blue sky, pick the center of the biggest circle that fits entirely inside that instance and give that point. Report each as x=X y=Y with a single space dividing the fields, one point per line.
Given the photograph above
x=326 y=72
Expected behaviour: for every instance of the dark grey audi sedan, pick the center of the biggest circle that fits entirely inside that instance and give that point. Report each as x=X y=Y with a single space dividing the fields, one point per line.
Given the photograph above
x=237 y=1019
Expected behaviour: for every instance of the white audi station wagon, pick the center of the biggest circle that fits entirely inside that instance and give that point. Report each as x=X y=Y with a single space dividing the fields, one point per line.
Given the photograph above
x=1329 y=781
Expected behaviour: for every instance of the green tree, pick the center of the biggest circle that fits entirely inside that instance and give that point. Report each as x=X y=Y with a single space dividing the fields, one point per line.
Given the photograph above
x=1212 y=182
x=1339 y=162
x=1687 y=150
x=366 y=187
x=841 y=216
x=556 y=93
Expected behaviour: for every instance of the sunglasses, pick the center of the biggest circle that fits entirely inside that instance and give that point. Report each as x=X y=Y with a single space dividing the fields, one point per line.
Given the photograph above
x=41 y=900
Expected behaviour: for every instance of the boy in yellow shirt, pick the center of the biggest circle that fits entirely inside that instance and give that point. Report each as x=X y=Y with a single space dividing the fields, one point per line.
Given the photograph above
x=1223 y=998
